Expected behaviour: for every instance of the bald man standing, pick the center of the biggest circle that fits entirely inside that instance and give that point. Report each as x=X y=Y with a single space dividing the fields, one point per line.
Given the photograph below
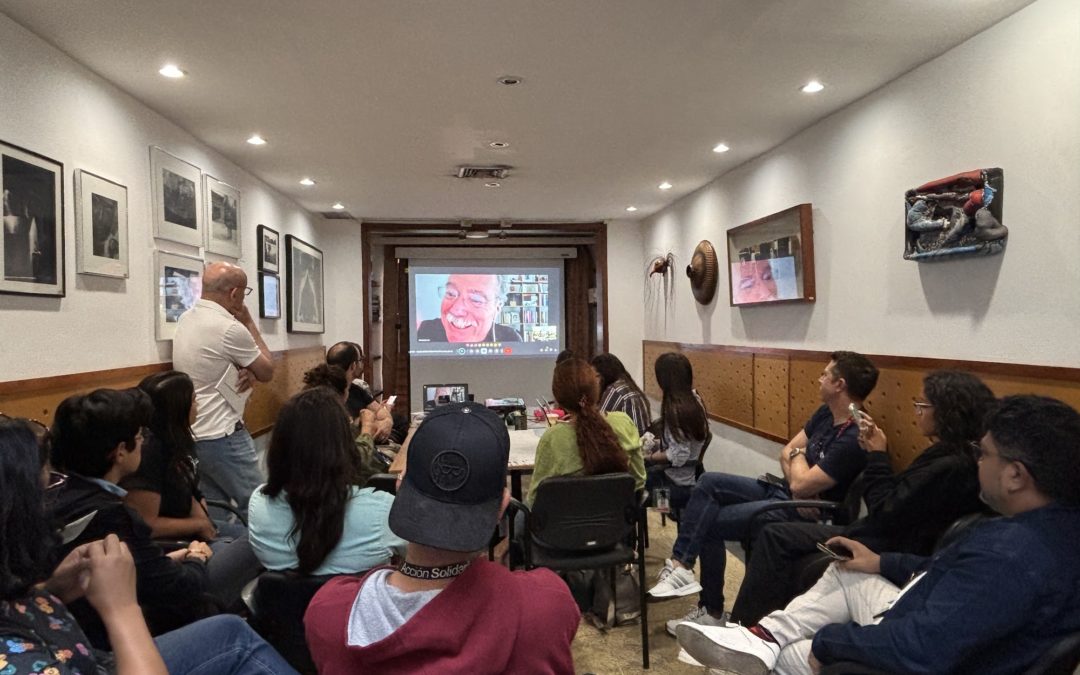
x=214 y=340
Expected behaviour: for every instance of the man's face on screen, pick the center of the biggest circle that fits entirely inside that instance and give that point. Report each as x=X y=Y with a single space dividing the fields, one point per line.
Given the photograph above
x=469 y=305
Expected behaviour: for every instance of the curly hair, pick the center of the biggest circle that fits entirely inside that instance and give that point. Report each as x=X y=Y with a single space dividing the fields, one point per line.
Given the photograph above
x=576 y=387
x=960 y=402
x=1043 y=434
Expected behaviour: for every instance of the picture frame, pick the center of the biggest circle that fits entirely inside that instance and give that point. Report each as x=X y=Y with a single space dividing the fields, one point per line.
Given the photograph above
x=178 y=285
x=269 y=296
x=305 y=294
x=177 y=198
x=32 y=236
x=101 y=226
x=222 y=234
x=269 y=243
x=771 y=260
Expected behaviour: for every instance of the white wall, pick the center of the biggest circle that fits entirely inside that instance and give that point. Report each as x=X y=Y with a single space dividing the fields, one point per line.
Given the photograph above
x=626 y=259
x=56 y=107
x=1009 y=97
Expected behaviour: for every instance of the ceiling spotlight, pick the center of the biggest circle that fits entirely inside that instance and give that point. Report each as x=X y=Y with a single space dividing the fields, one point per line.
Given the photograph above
x=812 y=87
x=256 y=139
x=172 y=70
x=338 y=206
x=510 y=80
x=477 y=234
x=665 y=186
x=498 y=145
x=631 y=209
x=307 y=182
x=721 y=147
x=492 y=185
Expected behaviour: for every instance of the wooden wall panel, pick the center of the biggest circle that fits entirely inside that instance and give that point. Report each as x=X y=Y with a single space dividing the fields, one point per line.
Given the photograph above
x=725 y=382
x=804 y=392
x=266 y=399
x=771 y=394
x=891 y=406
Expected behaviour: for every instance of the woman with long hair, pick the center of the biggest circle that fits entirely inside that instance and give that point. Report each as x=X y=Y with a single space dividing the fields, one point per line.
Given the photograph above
x=37 y=632
x=619 y=392
x=684 y=428
x=586 y=441
x=309 y=516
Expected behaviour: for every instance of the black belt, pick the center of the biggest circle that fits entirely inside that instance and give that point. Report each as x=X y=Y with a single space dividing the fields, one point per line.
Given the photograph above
x=239 y=426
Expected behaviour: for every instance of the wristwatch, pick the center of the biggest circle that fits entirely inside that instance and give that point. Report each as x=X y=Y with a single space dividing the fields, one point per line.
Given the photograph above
x=795 y=452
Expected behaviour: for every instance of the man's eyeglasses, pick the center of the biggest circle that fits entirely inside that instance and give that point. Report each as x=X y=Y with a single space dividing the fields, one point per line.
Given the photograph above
x=248 y=290
x=920 y=406
x=477 y=300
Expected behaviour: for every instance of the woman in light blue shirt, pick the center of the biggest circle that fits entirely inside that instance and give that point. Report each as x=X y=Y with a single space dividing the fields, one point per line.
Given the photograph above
x=309 y=516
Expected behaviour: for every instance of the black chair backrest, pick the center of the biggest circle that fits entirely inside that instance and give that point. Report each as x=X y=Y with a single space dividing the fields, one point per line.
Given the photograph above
x=278 y=604
x=584 y=513
x=700 y=468
x=852 y=502
x=1062 y=659
x=961 y=525
x=384 y=482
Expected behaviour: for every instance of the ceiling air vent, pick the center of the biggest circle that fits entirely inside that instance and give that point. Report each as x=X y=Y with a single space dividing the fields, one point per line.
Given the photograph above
x=497 y=171
x=337 y=215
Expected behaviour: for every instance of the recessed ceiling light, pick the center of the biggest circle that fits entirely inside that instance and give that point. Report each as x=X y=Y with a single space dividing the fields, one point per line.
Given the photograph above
x=477 y=234
x=256 y=139
x=498 y=145
x=631 y=209
x=510 y=80
x=812 y=87
x=665 y=186
x=492 y=185
x=307 y=182
x=338 y=206
x=721 y=147
x=172 y=70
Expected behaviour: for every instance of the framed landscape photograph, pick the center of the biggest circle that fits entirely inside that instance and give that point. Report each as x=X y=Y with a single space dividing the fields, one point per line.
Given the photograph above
x=178 y=208
x=32 y=245
x=101 y=226
x=771 y=260
x=304 y=274
x=222 y=217
x=178 y=284
x=269 y=296
x=269 y=250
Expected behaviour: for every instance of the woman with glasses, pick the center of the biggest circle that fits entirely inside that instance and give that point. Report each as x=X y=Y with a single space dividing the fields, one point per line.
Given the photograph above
x=37 y=632
x=907 y=511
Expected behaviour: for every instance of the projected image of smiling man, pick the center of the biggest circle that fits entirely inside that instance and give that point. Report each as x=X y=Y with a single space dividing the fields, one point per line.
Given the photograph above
x=470 y=304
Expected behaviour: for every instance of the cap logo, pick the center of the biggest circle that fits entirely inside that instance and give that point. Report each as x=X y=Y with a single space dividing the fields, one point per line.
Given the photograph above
x=449 y=470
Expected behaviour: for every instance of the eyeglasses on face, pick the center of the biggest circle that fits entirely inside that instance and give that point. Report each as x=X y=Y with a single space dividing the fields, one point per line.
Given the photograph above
x=920 y=406
x=247 y=290
x=474 y=298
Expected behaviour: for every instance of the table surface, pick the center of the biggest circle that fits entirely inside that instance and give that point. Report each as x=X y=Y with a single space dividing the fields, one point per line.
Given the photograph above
x=522 y=450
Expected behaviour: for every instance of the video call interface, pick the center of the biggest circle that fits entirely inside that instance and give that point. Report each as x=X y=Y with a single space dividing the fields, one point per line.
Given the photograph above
x=485 y=312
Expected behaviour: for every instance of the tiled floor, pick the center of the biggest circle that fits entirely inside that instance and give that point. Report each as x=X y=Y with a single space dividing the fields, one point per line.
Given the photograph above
x=619 y=650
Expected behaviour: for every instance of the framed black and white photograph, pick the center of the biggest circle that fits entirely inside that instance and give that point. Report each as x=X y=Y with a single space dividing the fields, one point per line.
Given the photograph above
x=179 y=285
x=222 y=217
x=269 y=296
x=178 y=210
x=101 y=226
x=304 y=275
x=269 y=250
x=32 y=246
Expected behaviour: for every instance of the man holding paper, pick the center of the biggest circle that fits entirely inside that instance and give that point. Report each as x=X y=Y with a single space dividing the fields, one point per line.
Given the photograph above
x=219 y=346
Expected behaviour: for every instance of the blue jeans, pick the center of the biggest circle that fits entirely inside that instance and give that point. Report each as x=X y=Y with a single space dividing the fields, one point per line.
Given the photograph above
x=232 y=566
x=220 y=645
x=229 y=469
x=719 y=510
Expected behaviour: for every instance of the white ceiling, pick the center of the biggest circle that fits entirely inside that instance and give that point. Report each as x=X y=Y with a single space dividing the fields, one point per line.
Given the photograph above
x=380 y=100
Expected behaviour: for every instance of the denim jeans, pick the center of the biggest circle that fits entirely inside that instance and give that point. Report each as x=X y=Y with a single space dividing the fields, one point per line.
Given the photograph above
x=220 y=645
x=229 y=469
x=232 y=566
x=719 y=510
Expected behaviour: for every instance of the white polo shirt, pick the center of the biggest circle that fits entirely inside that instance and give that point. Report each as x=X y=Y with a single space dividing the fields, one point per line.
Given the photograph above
x=208 y=341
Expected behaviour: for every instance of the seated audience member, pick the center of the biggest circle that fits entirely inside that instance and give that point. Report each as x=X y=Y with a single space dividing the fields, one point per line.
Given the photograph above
x=907 y=512
x=39 y=635
x=821 y=461
x=369 y=461
x=619 y=392
x=446 y=609
x=993 y=601
x=685 y=426
x=97 y=441
x=586 y=441
x=564 y=355
x=350 y=357
x=310 y=516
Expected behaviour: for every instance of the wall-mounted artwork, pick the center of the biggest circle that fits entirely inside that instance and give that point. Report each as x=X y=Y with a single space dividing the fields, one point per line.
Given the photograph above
x=702 y=272
x=222 y=217
x=660 y=284
x=101 y=226
x=269 y=250
x=304 y=275
x=269 y=296
x=956 y=216
x=178 y=210
x=772 y=259
x=178 y=283
x=32 y=245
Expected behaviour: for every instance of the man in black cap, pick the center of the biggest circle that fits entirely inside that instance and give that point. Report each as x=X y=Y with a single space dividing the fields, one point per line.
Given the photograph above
x=446 y=608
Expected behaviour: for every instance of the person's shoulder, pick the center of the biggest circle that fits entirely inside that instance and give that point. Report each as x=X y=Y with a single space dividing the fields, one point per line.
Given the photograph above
x=621 y=422
x=820 y=415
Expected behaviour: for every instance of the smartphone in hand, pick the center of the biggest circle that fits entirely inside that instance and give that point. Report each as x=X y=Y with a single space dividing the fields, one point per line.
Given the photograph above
x=837 y=553
x=390 y=401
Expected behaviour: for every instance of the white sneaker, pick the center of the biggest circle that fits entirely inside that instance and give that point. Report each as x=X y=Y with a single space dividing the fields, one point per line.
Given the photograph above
x=675 y=582
x=697 y=615
x=730 y=647
x=667 y=569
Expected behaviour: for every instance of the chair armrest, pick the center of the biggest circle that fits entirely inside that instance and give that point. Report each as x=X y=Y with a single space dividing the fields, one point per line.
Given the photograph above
x=784 y=505
x=512 y=508
x=228 y=507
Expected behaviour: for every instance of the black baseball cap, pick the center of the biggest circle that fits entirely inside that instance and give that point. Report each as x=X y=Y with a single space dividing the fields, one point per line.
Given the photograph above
x=455 y=475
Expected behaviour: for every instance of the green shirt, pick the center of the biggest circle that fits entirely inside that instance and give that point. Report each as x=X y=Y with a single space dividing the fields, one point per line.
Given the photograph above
x=557 y=452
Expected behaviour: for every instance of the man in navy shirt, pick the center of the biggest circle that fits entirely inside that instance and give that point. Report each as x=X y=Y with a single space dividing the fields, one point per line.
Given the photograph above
x=819 y=462
x=992 y=602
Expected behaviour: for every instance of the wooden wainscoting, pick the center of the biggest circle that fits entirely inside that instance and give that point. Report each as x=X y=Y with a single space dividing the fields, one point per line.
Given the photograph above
x=37 y=398
x=772 y=392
